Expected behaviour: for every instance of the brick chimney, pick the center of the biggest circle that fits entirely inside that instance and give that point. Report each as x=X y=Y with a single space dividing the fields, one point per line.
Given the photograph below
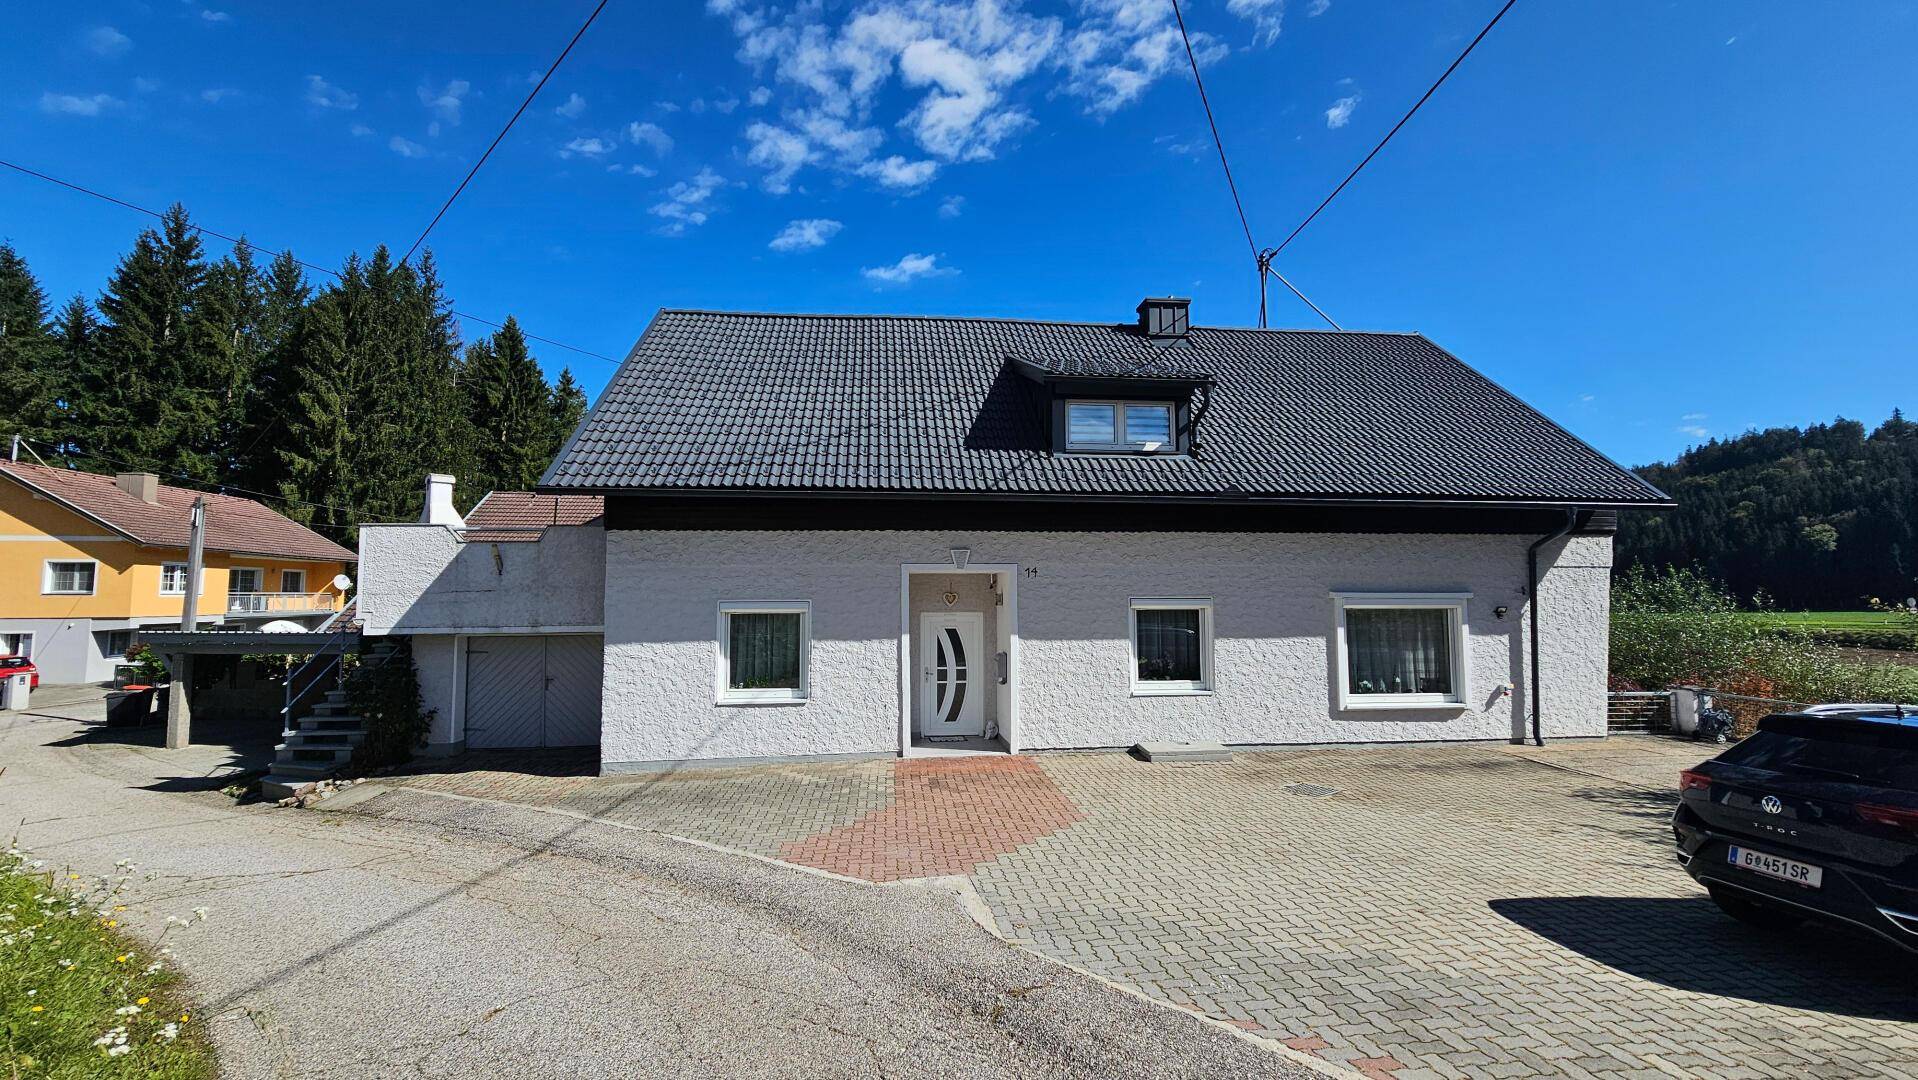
x=1165 y=319
x=143 y=486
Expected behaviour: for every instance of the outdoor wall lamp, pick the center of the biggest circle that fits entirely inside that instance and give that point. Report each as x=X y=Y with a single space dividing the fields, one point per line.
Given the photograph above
x=1499 y=611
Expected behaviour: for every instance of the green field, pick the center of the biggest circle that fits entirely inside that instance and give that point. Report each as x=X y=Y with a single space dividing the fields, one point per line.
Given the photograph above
x=1835 y=620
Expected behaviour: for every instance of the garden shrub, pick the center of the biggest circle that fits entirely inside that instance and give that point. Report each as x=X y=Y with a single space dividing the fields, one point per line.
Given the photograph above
x=386 y=696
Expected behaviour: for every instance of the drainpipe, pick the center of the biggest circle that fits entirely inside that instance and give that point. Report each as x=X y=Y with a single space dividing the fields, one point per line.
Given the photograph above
x=1531 y=562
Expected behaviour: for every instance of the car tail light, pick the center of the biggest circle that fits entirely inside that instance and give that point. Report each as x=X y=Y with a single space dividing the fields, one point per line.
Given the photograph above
x=1898 y=817
x=1693 y=779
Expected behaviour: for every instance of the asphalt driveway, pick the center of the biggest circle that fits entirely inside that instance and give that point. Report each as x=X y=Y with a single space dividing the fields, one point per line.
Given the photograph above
x=427 y=936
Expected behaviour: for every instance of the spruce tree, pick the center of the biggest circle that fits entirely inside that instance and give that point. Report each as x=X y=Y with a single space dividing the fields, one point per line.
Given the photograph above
x=511 y=410
x=75 y=334
x=283 y=298
x=154 y=389
x=29 y=389
x=568 y=407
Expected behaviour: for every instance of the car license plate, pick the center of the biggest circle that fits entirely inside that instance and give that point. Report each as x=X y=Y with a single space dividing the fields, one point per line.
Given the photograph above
x=1783 y=869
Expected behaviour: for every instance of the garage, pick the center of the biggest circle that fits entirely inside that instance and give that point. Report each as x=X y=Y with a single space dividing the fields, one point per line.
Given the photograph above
x=538 y=690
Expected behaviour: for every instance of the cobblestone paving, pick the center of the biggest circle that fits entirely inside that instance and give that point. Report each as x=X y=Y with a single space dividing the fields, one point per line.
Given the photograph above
x=1455 y=911
x=947 y=816
x=1450 y=911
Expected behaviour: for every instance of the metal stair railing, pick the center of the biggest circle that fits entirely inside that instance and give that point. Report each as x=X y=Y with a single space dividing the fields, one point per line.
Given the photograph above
x=341 y=634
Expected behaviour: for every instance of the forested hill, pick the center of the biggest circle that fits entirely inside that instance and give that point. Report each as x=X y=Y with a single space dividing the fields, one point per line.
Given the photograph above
x=1820 y=518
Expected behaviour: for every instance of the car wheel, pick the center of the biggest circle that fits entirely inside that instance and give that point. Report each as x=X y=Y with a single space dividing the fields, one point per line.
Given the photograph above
x=1752 y=913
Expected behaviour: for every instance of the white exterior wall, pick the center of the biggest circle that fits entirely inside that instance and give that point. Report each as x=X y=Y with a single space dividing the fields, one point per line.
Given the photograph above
x=1274 y=657
x=423 y=579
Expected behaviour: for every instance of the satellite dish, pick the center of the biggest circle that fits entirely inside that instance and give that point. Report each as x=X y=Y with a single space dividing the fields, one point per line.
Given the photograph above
x=283 y=626
x=342 y=582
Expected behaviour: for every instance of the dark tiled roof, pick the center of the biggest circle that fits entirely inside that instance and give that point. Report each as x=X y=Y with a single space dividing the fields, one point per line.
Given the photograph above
x=507 y=516
x=232 y=524
x=729 y=401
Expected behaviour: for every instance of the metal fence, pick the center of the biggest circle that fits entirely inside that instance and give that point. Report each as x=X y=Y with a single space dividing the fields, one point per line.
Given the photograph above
x=1647 y=712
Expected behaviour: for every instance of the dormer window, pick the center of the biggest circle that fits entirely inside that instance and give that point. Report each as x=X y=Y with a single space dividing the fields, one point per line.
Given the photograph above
x=1120 y=426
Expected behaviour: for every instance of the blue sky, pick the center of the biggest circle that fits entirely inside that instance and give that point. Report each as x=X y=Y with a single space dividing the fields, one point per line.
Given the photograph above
x=1656 y=222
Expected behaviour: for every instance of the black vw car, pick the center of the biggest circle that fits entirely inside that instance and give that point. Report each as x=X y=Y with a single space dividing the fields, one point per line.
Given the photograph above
x=1815 y=817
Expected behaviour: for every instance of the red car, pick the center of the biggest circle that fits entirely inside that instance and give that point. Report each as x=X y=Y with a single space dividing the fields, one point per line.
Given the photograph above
x=14 y=665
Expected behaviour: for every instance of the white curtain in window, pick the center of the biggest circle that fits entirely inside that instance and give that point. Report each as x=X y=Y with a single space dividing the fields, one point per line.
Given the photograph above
x=1399 y=650
x=1168 y=645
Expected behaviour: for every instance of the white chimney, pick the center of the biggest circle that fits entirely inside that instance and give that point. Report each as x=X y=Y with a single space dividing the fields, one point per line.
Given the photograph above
x=143 y=486
x=439 y=503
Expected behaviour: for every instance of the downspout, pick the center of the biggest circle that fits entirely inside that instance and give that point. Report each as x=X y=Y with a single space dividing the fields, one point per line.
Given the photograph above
x=1531 y=562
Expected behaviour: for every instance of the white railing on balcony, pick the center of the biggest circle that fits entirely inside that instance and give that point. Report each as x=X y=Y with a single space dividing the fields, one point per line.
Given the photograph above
x=279 y=603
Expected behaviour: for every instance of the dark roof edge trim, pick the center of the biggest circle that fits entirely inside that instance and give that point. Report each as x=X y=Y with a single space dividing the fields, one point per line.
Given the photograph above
x=580 y=428
x=1381 y=501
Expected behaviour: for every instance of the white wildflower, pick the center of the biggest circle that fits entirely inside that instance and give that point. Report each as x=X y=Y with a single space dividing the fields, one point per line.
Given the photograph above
x=200 y=913
x=169 y=1032
x=127 y=1010
x=118 y=1050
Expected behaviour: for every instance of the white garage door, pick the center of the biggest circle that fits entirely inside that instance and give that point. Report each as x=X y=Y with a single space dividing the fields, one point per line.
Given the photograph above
x=533 y=691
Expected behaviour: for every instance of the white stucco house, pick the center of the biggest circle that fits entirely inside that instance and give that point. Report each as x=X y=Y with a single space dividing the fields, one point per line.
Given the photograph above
x=820 y=536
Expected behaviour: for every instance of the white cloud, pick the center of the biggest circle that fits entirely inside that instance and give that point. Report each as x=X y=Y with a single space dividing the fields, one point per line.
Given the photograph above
x=907 y=270
x=405 y=148
x=78 y=105
x=1340 y=114
x=687 y=202
x=107 y=41
x=572 y=108
x=1694 y=431
x=696 y=106
x=1266 y=17
x=447 y=101
x=1121 y=47
x=325 y=95
x=1695 y=416
x=640 y=133
x=217 y=94
x=780 y=152
x=1587 y=399
x=898 y=174
x=760 y=96
x=805 y=234
x=725 y=106
x=1317 y=8
x=145 y=85
x=666 y=106
x=589 y=147
x=1732 y=39
x=633 y=170
x=952 y=206
x=359 y=131
x=212 y=16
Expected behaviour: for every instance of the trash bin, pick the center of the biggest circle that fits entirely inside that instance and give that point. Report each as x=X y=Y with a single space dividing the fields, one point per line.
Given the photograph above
x=130 y=706
x=15 y=690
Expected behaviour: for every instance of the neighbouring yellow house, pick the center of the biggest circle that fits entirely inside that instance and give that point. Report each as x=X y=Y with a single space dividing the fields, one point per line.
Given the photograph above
x=87 y=559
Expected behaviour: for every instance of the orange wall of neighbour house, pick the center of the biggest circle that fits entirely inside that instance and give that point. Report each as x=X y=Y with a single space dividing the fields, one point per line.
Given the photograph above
x=127 y=579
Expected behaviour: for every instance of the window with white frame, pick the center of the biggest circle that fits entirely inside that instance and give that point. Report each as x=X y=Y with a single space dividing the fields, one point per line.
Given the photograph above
x=1171 y=646
x=173 y=579
x=763 y=651
x=292 y=581
x=245 y=579
x=17 y=645
x=1120 y=425
x=1401 y=650
x=75 y=577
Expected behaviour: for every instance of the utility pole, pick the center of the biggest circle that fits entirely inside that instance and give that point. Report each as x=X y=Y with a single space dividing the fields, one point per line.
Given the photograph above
x=179 y=715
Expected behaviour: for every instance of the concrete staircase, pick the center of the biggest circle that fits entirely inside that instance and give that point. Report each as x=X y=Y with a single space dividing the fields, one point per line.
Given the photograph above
x=321 y=743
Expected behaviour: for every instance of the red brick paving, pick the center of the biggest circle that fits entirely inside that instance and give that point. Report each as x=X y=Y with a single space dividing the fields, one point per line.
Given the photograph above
x=946 y=817
x=1377 y=1068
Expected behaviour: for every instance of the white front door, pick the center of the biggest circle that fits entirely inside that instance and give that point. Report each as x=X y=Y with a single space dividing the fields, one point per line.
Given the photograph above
x=952 y=674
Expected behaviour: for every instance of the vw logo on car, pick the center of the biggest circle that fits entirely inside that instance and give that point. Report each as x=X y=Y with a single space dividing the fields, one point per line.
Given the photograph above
x=1772 y=805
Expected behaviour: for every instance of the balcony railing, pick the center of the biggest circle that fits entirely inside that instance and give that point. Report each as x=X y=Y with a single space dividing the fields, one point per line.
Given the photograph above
x=279 y=603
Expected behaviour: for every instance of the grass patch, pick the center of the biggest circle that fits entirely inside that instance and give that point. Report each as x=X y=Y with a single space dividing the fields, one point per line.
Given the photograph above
x=80 y=998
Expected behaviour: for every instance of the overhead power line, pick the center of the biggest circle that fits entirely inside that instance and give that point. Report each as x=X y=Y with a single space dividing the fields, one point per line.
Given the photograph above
x=1261 y=259
x=537 y=87
x=219 y=488
x=1356 y=169
x=315 y=267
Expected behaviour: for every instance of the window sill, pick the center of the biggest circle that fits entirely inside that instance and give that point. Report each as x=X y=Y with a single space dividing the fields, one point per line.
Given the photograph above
x=66 y=592
x=727 y=702
x=1425 y=706
x=1170 y=691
